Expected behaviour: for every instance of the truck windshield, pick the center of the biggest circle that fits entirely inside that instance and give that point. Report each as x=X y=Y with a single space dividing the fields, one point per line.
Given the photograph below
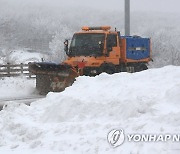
x=87 y=45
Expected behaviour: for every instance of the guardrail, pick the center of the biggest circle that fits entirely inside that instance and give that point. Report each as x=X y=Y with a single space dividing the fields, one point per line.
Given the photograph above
x=12 y=70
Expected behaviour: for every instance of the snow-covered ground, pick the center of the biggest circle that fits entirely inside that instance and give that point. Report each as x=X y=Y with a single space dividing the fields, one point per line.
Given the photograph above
x=78 y=120
x=21 y=56
x=17 y=87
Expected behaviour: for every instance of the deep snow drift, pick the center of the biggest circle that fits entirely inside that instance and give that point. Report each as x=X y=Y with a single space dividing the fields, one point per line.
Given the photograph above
x=79 y=119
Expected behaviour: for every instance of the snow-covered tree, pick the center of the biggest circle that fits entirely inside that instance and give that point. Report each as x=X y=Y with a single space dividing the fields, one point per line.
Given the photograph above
x=57 y=44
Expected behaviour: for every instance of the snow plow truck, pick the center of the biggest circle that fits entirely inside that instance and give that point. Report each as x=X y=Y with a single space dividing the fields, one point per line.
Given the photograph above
x=92 y=51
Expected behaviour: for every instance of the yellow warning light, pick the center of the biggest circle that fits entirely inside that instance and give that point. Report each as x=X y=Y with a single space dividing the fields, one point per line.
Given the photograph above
x=105 y=28
x=85 y=28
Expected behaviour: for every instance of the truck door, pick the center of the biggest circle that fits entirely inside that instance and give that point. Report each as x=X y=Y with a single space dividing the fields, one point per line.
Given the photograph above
x=112 y=49
x=111 y=42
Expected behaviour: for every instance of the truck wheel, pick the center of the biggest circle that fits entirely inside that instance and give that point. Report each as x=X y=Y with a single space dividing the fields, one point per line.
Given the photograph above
x=143 y=67
x=108 y=68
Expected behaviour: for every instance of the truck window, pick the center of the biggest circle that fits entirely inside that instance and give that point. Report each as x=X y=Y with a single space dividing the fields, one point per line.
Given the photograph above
x=111 y=41
x=87 y=44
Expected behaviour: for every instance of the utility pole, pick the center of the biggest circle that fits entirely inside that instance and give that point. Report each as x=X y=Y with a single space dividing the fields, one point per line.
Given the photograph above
x=127 y=17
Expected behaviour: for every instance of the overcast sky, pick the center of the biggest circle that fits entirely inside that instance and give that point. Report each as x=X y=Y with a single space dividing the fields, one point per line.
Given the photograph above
x=145 y=5
x=136 y=5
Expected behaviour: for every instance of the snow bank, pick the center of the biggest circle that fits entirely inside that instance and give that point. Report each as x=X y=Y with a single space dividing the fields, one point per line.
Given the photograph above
x=79 y=119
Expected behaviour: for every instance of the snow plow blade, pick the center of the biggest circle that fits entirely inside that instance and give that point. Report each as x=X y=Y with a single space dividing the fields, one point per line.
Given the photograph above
x=49 y=69
x=52 y=77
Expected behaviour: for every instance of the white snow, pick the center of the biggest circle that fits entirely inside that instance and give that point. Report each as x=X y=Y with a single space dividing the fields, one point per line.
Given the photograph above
x=21 y=56
x=78 y=120
x=16 y=87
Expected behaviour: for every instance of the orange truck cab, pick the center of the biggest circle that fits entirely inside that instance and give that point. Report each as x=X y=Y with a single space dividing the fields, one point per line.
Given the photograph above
x=98 y=49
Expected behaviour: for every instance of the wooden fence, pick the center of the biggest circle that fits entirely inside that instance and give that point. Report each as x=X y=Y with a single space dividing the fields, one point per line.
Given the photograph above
x=11 y=70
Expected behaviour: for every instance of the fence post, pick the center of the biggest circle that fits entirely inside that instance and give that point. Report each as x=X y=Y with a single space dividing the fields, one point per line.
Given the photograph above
x=29 y=74
x=21 y=68
x=28 y=70
x=8 y=69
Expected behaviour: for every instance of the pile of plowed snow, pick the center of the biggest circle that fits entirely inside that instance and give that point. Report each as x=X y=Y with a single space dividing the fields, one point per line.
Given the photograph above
x=79 y=119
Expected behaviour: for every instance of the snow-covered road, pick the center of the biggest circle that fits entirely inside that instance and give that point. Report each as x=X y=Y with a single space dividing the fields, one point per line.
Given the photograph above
x=79 y=119
x=18 y=89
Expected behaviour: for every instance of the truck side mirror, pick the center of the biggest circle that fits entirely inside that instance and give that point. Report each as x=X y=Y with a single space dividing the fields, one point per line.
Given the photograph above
x=66 y=43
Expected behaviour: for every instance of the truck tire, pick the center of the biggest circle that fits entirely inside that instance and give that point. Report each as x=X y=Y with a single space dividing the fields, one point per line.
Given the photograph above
x=143 y=67
x=108 y=68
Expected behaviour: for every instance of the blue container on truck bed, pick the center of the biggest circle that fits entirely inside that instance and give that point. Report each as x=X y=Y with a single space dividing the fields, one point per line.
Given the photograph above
x=137 y=48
